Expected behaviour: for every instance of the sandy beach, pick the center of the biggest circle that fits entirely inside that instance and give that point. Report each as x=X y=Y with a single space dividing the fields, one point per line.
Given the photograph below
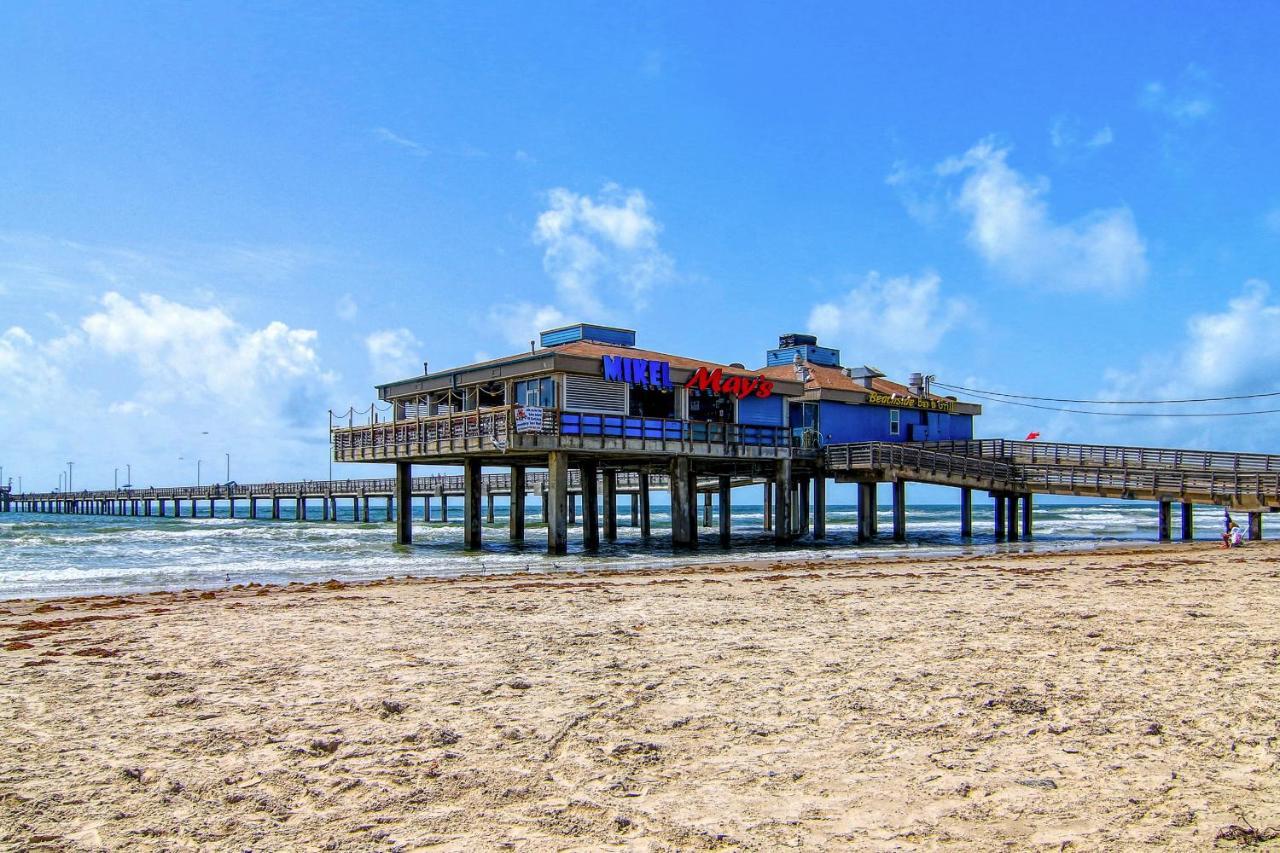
x=1094 y=700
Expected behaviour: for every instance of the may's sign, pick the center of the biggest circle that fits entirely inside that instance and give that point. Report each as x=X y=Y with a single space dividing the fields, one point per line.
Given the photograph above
x=923 y=403
x=636 y=371
x=738 y=386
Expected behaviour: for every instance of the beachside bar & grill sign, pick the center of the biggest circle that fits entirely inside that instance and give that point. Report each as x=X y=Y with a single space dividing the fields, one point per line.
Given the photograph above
x=926 y=404
x=657 y=374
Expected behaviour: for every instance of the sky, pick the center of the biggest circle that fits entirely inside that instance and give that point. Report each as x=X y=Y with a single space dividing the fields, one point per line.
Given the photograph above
x=220 y=221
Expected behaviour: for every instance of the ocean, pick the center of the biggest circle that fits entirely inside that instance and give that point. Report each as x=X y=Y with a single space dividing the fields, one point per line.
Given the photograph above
x=53 y=555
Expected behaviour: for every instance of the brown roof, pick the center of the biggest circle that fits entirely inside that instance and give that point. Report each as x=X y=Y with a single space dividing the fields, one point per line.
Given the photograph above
x=823 y=377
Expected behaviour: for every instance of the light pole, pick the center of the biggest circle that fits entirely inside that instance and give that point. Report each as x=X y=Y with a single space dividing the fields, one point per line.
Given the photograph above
x=128 y=475
x=116 y=479
x=198 y=461
x=70 y=470
x=228 y=455
x=62 y=476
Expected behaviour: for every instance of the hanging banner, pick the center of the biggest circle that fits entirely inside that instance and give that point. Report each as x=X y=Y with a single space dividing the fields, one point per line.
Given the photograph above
x=528 y=419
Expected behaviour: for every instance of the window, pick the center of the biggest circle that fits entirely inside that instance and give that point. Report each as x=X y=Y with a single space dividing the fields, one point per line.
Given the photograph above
x=647 y=402
x=895 y=422
x=540 y=393
x=707 y=405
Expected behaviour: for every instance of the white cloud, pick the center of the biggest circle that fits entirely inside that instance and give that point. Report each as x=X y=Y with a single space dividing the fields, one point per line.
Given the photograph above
x=394 y=353
x=900 y=317
x=1272 y=220
x=1011 y=228
x=417 y=149
x=183 y=352
x=346 y=308
x=1186 y=101
x=522 y=322
x=1066 y=135
x=598 y=250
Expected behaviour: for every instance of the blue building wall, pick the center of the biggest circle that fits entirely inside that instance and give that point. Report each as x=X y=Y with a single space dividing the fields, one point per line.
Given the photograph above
x=809 y=352
x=765 y=412
x=589 y=332
x=845 y=422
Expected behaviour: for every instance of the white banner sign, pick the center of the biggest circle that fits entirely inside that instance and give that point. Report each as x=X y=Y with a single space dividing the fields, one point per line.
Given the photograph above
x=528 y=419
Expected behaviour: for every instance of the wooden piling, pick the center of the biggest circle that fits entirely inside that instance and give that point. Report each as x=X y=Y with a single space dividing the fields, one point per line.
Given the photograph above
x=646 y=526
x=471 y=504
x=515 y=520
x=726 y=511
x=768 y=505
x=609 y=484
x=1000 y=525
x=1165 y=531
x=590 y=505
x=966 y=513
x=1188 y=521
x=899 y=510
x=820 y=506
x=555 y=500
x=1028 y=503
x=1011 y=517
x=681 y=532
x=404 y=486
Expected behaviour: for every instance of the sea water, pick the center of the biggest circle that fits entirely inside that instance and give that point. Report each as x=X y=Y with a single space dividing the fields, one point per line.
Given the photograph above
x=50 y=555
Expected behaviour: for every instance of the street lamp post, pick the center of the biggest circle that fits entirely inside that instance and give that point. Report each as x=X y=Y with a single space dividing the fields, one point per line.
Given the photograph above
x=128 y=475
x=228 y=455
x=116 y=479
x=70 y=470
x=198 y=461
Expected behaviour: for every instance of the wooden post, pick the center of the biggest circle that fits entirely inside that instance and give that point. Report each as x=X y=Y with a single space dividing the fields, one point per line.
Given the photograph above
x=706 y=509
x=472 y=485
x=634 y=503
x=426 y=508
x=573 y=509
x=444 y=508
x=515 y=521
x=643 y=497
x=768 y=505
x=820 y=506
x=899 y=510
x=253 y=507
x=1165 y=525
x=275 y=508
x=610 y=485
x=162 y=507
x=726 y=511
x=1011 y=517
x=873 y=502
x=1001 y=526
x=966 y=512
x=782 y=500
x=588 y=475
x=681 y=534
x=555 y=502
x=804 y=494
x=364 y=508
x=1255 y=526
x=488 y=514
x=300 y=509
x=404 y=485
x=1027 y=506
x=1188 y=521
x=231 y=507
x=390 y=513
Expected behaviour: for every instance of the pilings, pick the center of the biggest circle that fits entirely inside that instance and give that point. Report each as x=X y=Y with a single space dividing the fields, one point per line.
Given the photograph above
x=1255 y=526
x=782 y=501
x=515 y=522
x=1188 y=521
x=683 y=533
x=609 y=481
x=590 y=506
x=404 y=486
x=1165 y=521
x=706 y=509
x=820 y=506
x=646 y=528
x=899 y=510
x=726 y=511
x=1011 y=518
x=556 y=502
x=866 y=511
x=768 y=505
x=966 y=513
x=1028 y=509
x=471 y=504
x=1000 y=525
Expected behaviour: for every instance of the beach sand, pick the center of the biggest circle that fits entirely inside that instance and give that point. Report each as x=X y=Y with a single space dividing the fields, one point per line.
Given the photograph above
x=1092 y=700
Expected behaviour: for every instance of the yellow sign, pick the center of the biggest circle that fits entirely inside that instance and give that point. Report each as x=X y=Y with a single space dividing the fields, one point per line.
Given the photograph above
x=925 y=404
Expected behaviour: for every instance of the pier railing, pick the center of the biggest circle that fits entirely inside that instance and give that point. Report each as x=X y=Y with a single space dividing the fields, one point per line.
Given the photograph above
x=1107 y=456
x=495 y=430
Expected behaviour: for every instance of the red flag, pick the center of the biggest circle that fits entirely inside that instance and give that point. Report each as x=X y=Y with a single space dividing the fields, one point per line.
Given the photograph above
x=1032 y=436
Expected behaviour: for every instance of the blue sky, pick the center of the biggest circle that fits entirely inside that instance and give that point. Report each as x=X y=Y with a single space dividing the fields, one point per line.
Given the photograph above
x=227 y=220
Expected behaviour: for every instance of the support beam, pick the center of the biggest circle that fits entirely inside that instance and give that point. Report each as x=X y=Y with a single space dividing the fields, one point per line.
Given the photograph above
x=706 y=509
x=426 y=508
x=726 y=511
x=873 y=502
x=820 y=506
x=444 y=508
x=646 y=520
x=1188 y=521
x=253 y=507
x=1165 y=521
x=609 y=483
x=515 y=520
x=275 y=508
x=899 y=510
x=768 y=504
x=634 y=500
x=555 y=502
x=588 y=475
x=404 y=486
x=782 y=500
x=1011 y=517
x=488 y=513
x=1255 y=526
x=573 y=509
x=1001 y=526
x=966 y=512
x=864 y=512
x=299 y=511
x=1028 y=504
x=681 y=533
x=471 y=485
x=364 y=507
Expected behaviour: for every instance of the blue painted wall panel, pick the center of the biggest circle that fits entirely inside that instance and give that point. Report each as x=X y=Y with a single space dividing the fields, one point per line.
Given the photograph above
x=765 y=412
x=588 y=332
x=815 y=354
x=845 y=422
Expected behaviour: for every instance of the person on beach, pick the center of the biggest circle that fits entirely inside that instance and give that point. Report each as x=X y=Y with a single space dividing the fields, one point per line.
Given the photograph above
x=1230 y=531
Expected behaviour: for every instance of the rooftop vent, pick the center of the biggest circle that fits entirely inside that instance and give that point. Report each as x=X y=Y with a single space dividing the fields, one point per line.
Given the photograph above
x=611 y=335
x=803 y=347
x=796 y=340
x=864 y=374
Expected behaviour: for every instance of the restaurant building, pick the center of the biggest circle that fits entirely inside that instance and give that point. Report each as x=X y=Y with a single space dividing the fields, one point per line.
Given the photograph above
x=589 y=398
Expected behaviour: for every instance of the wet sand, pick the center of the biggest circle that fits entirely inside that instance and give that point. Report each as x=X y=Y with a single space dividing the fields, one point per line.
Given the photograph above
x=1097 y=700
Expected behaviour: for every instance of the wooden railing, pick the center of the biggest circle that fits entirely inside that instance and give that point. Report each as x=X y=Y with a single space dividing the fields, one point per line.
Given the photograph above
x=1107 y=456
x=880 y=455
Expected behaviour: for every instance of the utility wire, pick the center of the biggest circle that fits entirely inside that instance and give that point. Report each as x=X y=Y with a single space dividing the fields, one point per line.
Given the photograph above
x=937 y=384
x=1123 y=414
